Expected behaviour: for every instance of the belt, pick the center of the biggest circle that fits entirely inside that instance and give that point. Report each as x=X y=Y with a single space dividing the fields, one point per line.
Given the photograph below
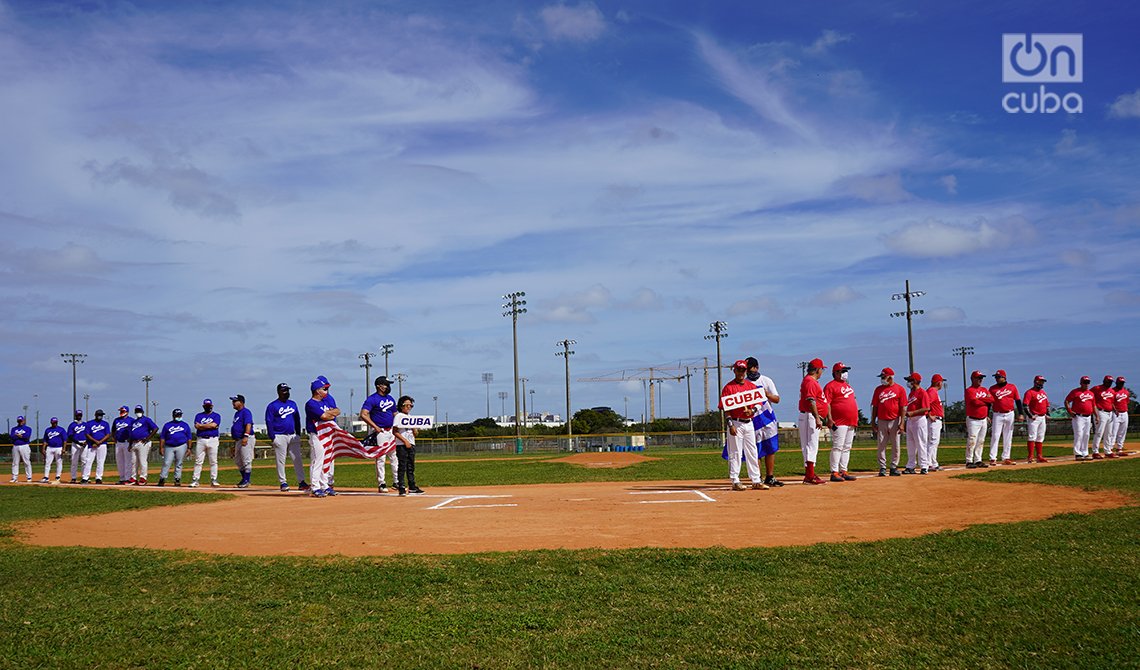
x=1009 y=412
x=739 y=420
x=1084 y=415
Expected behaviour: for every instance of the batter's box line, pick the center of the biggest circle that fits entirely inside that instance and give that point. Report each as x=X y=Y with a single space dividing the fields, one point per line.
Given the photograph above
x=701 y=499
x=446 y=504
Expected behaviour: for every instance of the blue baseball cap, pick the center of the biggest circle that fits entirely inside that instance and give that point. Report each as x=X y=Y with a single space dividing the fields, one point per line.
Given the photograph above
x=124 y=408
x=55 y=419
x=319 y=383
x=140 y=408
x=207 y=401
x=19 y=418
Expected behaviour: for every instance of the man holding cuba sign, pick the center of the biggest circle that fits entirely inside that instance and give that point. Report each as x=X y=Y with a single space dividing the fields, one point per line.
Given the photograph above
x=740 y=399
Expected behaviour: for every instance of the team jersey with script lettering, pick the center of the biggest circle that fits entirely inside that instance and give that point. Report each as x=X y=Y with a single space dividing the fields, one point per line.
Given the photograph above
x=54 y=437
x=314 y=409
x=142 y=428
x=209 y=417
x=732 y=388
x=77 y=432
x=242 y=418
x=121 y=428
x=381 y=409
x=1005 y=397
x=282 y=418
x=98 y=432
x=978 y=401
x=888 y=402
x=1080 y=401
x=175 y=433
x=1123 y=396
x=841 y=397
x=1036 y=402
x=809 y=388
x=1105 y=397
x=936 y=410
x=917 y=400
x=21 y=435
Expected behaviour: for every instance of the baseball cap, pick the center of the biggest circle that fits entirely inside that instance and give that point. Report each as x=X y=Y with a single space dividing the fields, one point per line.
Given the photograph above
x=319 y=383
x=207 y=401
x=140 y=408
x=977 y=374
x=55 y=419
x=1000 y=373
x=99 y=412
x=282 y=387
x=19 y=418
x=176 y=413
x=124 y=408
x=840 y=367
x=742 y=364
x=1121 y=379
x=937 y=378
x=887 y=372
x=1108 y=378
x=324 y=380
x=382 y=379
x=78 y=412
x=816 y=363
x=1039 y=378
x=239 y=397
x=914 y=377
x=1085 y=379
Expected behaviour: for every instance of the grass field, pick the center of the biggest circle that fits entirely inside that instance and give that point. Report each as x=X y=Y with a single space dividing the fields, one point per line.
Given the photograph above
x=1056 y=593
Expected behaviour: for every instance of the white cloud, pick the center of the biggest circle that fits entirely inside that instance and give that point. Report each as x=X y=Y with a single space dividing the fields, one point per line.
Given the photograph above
x=825 y=41
x=580 y=23
x=946 y=314
x=1077 y=258
x=882 y=189
x=950 y=183
x=836 y=296
x=1126 y=106
x=763 y=304
x=933 y=238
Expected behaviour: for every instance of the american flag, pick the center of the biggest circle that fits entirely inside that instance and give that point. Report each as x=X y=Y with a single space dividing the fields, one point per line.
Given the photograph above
x=339 y=442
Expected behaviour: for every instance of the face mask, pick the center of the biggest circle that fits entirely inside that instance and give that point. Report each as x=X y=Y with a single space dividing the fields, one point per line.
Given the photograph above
x=843 y=376
x=139 y=414
x=753 y=376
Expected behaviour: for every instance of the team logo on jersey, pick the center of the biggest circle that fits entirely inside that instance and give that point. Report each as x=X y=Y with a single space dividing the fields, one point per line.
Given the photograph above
x=1002 y=394
x=846 y=392
x=888 y=395
x=285 y=410
x=175 y=429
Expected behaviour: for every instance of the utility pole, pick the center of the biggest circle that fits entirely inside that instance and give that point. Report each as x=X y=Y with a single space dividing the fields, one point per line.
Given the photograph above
x=400 y=379
x=487 y=379
x=386 y=351
x=515 y=306
x=907 y=295
x=502 y=403
x=147 y=379
x=154 y=403
x=435 y=414
x=86 y=405
x=706 y=384
x=719 y=331
x=73 y=359
x=689 y=394
x=803 y=365
x=36 y=403
x=566 y=353
x=524 y=380
x=963 y=352
x=532 y=410
x=367 y=365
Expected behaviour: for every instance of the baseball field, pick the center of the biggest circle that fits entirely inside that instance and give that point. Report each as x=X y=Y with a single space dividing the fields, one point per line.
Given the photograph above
x=555 y=562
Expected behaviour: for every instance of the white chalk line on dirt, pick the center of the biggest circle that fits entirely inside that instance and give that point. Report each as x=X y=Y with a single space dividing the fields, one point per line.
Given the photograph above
x=701 y=499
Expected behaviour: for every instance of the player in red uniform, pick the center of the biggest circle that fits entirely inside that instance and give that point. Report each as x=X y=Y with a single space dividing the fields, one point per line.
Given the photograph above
x=1104 y=399
x=887 y=406
x=1036 y=410
x=937 y=414
x=1006 y=400
x=1080 y=404
x=1123 y=398
x=844 y=419
x=813 y=415
x=917 y=425
x=978 y=401
x=741 y=434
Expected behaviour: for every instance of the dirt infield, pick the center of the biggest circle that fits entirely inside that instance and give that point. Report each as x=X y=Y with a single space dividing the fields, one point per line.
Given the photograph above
x=611 y=515
x=609 y=459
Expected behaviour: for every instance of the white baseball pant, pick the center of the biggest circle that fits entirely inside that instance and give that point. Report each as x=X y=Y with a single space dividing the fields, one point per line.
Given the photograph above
x=394 y=462
x=96 y=455
x=1081 y=435
x=173 y=455
x=291 y=445
x=841 y=439
x=243 y=453
x=53 y=455
x=1121 y=430
x=933 y=439
x=206 y=447
x=1035 y=429
x=22 y=453
x=975 y=439
x=77 y=459
x=917 y=431
x=1003 y=432
x=743 y=443
x=809 y=437
x=317 y=478
x=140 y=452
x=888 y=434
x=124 y=460
x=1102 y=440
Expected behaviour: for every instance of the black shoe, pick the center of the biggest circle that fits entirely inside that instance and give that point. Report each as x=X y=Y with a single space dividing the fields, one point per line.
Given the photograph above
x=849 y=477
x=971 y=466
x=922 y=471
x=402 y=491
x=909 y=471
x=383 y=488
x=416 y=490
x=981 y=464
x=162 y=481
x=882 y=472
x=772 y=481
x=98 y=481
x=895 y=472
x=178 y=482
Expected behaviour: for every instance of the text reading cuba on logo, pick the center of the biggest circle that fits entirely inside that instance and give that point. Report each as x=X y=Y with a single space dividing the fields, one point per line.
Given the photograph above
x=1042 y=58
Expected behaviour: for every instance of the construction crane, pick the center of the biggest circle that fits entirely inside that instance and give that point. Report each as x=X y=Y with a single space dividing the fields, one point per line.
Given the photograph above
x=652 y=376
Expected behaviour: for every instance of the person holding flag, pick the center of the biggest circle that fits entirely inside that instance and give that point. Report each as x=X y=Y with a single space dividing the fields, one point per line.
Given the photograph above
x=320 y=409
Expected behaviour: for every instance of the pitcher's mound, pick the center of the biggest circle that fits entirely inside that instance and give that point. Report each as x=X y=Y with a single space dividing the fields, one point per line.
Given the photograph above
x=608 y=459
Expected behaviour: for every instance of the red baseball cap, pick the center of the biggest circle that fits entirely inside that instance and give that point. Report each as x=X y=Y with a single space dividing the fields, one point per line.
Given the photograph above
x=937 y=378
x=1039 y=378
x=1085 y=379
x=1000 y=373
x=1120 y=379
x=914 y=377
x=887 y=372
x=1108 y=378
x=840 y=367
x=816 y=363
x=740 y=364
x=977 y=374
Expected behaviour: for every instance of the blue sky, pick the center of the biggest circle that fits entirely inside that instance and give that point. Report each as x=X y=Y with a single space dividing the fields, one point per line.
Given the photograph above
x=229 y=195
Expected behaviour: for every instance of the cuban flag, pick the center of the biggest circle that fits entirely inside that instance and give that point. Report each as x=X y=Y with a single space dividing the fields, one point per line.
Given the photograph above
x=339 y=442
x=767 y=432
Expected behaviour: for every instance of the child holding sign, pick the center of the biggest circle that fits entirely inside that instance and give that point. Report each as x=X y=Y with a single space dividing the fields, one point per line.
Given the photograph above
x=405 y=448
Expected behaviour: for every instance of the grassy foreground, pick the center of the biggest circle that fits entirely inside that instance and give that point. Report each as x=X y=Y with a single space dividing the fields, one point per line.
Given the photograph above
x=1056 y=593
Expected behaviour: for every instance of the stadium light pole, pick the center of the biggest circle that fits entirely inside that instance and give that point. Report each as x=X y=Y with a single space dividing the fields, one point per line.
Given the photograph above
x=367 y=365
x=963 y=352
x=86 y=404
x=502 y=403
x=400 y=379
x=73 y=359
x=689 y=395
x=524 y=380
x=487 y=379
x=515 y=307
x=147 y=379
x=566 y=353
x=907 y=296
x=386 y=351
x=435 y=413
x=802 y=365
x=718 y=331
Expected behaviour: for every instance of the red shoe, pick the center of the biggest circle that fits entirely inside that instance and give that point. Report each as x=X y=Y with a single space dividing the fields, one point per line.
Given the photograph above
x=1097 y=457
x=1110 y=455
x=1008 y=462
x=816 y=480
x=1042 y=459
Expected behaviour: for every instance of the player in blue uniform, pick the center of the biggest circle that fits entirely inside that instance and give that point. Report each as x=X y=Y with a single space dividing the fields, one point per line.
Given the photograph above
x=143 y=429
x=379 y=411
x=172 y=442
x=54 y=439
x=98 y=433
x=77 y=438
x=206 y=425
x=283 y=424
x=321 y=407
x=121 y=434
x=242 y=432
x=21 y=436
